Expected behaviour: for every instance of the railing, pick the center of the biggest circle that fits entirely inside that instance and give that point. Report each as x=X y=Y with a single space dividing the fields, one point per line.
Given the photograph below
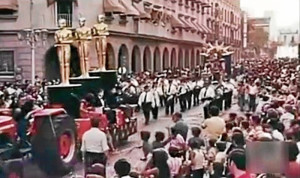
x=67 y=17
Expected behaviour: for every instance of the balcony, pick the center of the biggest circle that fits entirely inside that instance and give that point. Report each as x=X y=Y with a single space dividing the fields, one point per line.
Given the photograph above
x=67 y=17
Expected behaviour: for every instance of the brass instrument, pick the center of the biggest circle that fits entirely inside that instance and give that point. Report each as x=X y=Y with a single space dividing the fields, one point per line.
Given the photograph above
x=100 y=33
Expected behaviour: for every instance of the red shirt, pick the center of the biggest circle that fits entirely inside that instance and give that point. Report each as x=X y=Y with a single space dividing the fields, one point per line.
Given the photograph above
x=293 y=170
x=246 y=175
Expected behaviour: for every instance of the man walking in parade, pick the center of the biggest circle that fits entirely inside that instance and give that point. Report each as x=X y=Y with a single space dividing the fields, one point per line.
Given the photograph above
x=170 y=98
x=207 y=94
x=146 y=102
x=228 y=91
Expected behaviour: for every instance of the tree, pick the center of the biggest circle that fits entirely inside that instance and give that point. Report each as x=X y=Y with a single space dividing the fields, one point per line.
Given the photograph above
x=258 y=38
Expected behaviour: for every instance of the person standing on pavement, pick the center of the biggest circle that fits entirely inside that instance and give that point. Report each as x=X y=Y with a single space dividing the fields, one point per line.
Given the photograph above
x=170 y=97
x=214 y=126
x=241 y=95
x=253 y=92
x=228 y=92
x=94 y=146
x=219 y=90
x=156 y=101
x=207 y=94
x=146 y=102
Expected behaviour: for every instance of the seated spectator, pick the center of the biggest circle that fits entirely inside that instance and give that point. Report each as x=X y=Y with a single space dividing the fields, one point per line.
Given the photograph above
x=158 y=142
x=177 y=141
x=196 y=159
x=237 y=164
x=221 y=152
x=174 y=162
x=122 y=168
x=196 y=132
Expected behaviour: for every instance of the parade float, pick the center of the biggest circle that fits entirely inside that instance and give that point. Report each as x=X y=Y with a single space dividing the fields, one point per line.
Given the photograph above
x=218 y=60
x=54 y=132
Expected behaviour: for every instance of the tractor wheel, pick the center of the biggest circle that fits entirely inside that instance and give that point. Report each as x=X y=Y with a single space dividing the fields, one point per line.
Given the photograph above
x=54 y=145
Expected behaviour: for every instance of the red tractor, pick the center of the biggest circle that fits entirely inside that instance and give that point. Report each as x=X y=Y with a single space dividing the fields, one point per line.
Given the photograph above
x=54 y=135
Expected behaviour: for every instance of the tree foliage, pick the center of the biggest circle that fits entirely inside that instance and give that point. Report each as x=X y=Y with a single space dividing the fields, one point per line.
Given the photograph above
x=258 y=38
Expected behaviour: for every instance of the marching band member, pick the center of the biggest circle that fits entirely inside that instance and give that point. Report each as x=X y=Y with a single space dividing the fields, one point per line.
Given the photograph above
x=170 y=97
x=182 y=96
x=196 y=92
x=156 y=101
x=228 y=92
x=207 y=94
x=146 y=102
x=189 y=94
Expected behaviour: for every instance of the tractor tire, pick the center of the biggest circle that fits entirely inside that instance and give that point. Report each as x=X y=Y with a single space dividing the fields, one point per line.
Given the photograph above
x=54 y=145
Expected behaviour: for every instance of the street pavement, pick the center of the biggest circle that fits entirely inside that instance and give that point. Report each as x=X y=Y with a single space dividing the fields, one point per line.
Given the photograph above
x=129 y=150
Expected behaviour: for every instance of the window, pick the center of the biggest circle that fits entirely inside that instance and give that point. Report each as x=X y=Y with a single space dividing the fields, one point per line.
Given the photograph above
x=6 y=63
x=65 y=11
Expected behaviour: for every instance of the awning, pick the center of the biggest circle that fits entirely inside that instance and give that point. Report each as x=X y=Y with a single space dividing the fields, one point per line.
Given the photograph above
x=193 y=21
x=193 y=27
x=140 y=7
x=129 y=9
x=187 y=26
x=9 y=5
x=205 y=4
x=50 y=2
x=113 y=6
x=175 y=22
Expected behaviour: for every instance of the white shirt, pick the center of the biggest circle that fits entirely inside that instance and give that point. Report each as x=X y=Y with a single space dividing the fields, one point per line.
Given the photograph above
x=207 y=92
x=253 y=90
x=277 y=135
x=286 y=119
x=156 y=97
x=228 y=87
x=147 y=98
x=94 y=141
x=182 y=89
x=171 y=90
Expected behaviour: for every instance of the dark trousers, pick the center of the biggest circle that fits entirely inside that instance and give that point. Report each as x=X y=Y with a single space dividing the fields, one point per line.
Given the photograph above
x=196 y=97
x=170 y=106
x=219 y=103
x=162 y=100
x=206 y=111
x=146 y=115
x=241 y=100
x=228 y=99
x=189 y=99
x=198 y=173
x=252 y=103
x=93 y=158
x=182 y=103
x=155 y=112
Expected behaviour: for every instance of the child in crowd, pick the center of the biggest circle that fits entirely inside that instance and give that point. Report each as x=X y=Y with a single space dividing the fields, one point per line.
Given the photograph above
x=196 y=132
x=159 y=140
x=197 y=159
x=147 y=148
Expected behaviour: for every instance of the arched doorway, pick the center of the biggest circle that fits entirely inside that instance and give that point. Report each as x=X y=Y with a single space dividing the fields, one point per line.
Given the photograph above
x=110 y=57
x=157 y=60
x=147 y=59
x=198 y=58
x=186 y=59
x=173 y=58
x=166 y=63
x=193 y=59
x=136 y=60
x=123 y=56
x=52 y=64
x=180 y=59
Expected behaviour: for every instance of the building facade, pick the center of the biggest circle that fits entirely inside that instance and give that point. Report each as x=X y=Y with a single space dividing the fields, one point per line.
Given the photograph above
x=144 y=34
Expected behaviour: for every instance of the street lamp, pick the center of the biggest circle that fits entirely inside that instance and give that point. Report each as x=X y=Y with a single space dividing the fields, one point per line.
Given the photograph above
x=32 y=36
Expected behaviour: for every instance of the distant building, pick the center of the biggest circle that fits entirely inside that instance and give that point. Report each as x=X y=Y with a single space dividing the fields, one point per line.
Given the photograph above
x=261 y=22
x=144 y=34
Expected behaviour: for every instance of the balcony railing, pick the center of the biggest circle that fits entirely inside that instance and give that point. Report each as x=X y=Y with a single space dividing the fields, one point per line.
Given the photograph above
x=67 y=17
